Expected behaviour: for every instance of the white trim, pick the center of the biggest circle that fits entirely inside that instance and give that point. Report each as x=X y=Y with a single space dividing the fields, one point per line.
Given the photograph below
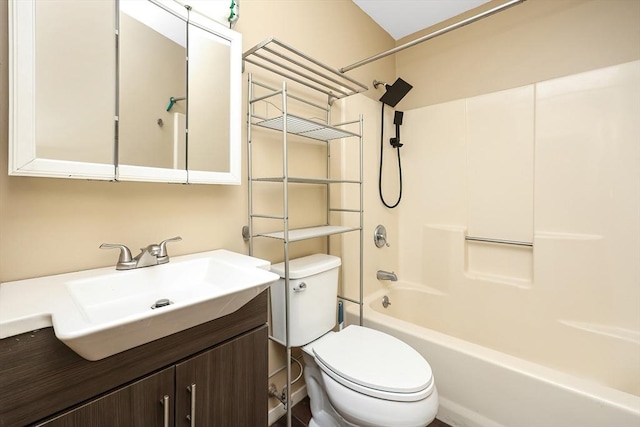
x=235 y=112
x=21 y=84
x=201 y=177
x=65 y=169
x=233 y=177
x=150 y=174
x=23 y=160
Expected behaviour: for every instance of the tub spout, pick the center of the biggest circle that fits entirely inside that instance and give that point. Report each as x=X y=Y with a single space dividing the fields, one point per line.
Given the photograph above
x=386 y=275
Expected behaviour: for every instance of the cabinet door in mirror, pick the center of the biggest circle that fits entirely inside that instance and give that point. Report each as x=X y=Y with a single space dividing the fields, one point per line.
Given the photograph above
x=214 y=75
x=152 y=92
x=62 y=82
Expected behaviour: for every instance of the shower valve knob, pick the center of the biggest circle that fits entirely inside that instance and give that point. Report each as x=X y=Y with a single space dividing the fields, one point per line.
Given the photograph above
x=380 y=236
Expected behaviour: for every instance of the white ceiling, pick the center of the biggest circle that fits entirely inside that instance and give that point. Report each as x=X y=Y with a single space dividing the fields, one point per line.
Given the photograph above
x=400 y=18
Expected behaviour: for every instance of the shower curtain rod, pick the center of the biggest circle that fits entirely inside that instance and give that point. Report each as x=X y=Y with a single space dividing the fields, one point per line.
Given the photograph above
x=433 y=34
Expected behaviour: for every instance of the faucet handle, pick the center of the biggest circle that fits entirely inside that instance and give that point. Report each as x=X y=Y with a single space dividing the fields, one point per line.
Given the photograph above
x=163 y=245
x=125 y=253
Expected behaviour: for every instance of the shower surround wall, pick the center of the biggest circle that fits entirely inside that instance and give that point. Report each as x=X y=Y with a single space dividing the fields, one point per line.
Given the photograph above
x=556 y=163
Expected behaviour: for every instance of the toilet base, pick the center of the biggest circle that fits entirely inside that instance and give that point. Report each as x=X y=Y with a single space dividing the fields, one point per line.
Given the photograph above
x=322 y=413
x=327 y=422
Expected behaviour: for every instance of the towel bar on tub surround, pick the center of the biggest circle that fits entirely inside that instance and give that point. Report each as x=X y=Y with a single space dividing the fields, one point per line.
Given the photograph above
x=499 y=241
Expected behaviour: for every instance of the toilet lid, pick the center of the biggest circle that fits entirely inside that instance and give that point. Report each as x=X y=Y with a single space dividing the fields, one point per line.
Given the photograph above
x=374 y=360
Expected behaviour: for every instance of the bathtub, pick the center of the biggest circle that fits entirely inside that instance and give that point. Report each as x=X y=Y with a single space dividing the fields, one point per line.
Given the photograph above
x=481 y=387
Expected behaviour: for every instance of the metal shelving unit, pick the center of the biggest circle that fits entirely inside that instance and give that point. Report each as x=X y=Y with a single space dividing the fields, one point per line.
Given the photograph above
x=297 y=68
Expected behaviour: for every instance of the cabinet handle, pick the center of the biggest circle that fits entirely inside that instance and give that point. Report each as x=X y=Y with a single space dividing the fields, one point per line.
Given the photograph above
x=192 y=416
x=165 y=403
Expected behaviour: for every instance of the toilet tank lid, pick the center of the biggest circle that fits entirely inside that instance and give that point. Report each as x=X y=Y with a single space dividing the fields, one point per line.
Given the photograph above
x=307 y=266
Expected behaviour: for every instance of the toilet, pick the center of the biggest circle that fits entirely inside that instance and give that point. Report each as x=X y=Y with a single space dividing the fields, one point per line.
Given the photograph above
x=357 y=376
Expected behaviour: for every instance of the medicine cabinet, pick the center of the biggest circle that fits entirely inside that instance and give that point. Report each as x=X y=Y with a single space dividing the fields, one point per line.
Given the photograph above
x=124 y=90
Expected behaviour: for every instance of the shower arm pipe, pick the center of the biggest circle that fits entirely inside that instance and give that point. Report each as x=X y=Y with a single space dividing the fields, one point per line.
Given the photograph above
x=432 y=35
x=173 y=100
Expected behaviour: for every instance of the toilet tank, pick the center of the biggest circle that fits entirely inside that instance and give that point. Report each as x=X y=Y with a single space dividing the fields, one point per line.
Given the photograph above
x=313 y=289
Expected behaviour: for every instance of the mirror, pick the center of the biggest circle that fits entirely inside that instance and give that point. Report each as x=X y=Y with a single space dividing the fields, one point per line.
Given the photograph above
x=208 y=120
x=175 y=120
x=215 y=76
x=61 y=89
x=152 y=47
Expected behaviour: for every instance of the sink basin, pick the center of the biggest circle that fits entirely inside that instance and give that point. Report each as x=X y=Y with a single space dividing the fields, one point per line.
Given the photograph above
x=98 y=313
x=121 y=294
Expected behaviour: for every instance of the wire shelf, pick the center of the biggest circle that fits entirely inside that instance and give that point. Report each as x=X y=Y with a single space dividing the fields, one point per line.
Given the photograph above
x=280 y=58
x=296 y=235
x=300 y=180
x=305 y=127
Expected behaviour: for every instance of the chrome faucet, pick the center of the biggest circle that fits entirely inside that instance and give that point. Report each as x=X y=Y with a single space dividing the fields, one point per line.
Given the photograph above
x=151 y=255
x=386 y=275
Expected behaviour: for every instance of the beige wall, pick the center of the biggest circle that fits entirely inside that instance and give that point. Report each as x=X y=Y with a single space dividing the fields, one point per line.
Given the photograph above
x=534 y=41
x=50 y=226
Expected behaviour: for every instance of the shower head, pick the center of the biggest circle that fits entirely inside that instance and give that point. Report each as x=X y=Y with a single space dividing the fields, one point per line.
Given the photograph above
x=395 y=92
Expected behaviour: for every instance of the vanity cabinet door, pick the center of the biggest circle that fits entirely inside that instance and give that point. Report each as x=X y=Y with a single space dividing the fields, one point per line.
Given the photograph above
x=226 y=385
x=145 y=403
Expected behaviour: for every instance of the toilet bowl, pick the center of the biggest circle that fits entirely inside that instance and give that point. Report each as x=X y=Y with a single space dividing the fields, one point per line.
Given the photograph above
x=357 y=376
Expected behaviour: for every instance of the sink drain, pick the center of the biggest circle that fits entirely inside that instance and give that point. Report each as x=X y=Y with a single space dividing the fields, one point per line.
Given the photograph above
x=161 y=303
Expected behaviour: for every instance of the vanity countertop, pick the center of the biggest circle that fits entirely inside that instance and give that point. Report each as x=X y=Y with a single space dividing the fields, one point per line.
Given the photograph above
x=59 y=301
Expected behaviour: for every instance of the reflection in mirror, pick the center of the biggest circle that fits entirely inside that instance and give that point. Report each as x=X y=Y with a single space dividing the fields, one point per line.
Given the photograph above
x=152 y=61
x=74 y=81
x=209 y=109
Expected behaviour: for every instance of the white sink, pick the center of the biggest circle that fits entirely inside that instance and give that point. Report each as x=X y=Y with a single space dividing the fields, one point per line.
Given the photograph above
x=101 y=312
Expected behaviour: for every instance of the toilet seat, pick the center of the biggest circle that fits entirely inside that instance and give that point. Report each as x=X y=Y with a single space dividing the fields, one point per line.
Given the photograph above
x=375 y=364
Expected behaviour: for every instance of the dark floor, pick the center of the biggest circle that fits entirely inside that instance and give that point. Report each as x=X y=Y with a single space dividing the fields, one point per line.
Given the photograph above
x=301 y=415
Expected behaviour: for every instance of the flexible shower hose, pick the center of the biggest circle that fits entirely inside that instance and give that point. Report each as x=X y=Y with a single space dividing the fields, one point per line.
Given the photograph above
x=380 y=174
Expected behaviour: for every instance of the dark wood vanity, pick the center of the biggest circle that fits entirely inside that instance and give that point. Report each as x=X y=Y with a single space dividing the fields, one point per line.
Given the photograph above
x=214 y=374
